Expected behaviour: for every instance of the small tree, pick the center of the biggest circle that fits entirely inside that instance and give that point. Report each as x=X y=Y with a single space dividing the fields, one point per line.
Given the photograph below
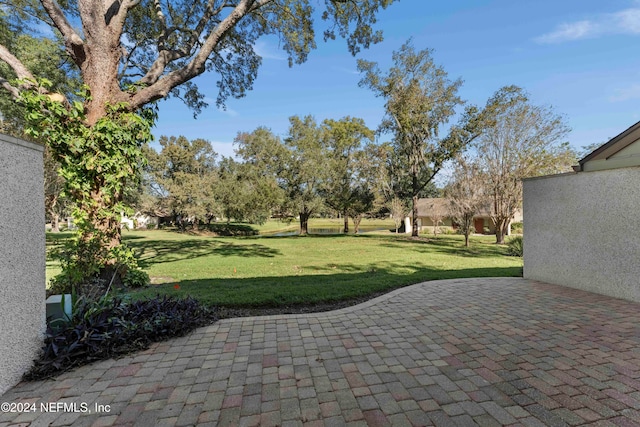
x=465 y=196
x=362 y=202
x=244 y=193
x=305 y=171
x=438 y=214
x=297 y=165
x=524 y=140
x=398 y=210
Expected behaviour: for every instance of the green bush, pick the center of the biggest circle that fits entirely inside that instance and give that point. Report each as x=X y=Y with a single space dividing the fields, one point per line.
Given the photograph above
x=517 y=228
x=110 y=327
x=136 y=278
x=515 y=246
x=83 y=271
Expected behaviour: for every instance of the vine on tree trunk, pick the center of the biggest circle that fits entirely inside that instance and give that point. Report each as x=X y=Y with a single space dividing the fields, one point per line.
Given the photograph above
x=96 y=162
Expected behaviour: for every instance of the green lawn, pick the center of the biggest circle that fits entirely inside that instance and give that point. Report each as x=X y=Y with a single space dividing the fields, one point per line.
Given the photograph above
x=280 y=271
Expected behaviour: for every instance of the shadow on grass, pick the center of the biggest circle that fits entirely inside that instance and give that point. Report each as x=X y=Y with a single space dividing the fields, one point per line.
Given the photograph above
x=312 y=289
x=218 y=228
x=448 y=245
x=54 y=239
x=163 y=251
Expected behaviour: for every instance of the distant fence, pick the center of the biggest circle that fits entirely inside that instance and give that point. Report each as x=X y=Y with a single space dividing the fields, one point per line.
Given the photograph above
x=22 y=257
x=582 y=231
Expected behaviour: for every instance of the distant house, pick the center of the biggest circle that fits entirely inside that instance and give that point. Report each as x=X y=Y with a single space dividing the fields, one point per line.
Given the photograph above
x=143 y=220
x=623 y=151
x=582 y=227
x=435 y=212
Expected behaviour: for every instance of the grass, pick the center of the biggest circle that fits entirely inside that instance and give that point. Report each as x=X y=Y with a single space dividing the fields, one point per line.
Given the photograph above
x=286 y=271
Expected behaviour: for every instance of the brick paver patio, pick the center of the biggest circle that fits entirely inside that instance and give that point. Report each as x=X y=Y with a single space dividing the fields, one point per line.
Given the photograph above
x=495 y=351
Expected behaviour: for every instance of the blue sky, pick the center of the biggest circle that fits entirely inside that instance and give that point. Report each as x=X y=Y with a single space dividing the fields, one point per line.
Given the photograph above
x=579 y=56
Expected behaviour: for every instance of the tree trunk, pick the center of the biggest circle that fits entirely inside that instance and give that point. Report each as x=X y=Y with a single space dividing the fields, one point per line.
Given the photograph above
x=501 y=226
x=102 y=227
x=346 y=223
x=466 y=237
x=356 y=223
x=304 y=223
x=55 y=223
x=415 y=229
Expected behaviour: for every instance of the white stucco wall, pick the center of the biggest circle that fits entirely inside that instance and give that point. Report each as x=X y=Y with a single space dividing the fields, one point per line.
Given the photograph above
x=22 y=257
x=582 y=230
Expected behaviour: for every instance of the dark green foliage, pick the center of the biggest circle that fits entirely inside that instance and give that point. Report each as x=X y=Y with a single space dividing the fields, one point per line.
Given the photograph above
x=110 y=327
x=515 y=246
x=136 y=278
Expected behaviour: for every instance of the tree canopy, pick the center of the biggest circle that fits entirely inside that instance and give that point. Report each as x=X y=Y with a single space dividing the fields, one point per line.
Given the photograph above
x=186 y=173
x=139 y=51
x=346 y=187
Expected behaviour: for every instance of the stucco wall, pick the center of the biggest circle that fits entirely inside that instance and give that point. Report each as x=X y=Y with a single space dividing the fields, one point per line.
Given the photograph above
x=22 y=257
x=582 y=230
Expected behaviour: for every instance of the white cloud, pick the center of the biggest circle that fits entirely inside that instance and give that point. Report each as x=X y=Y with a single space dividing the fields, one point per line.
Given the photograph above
x=566 y=32
x=267 y=52
x=623 y=22
x=628 y=93
x=628 y=21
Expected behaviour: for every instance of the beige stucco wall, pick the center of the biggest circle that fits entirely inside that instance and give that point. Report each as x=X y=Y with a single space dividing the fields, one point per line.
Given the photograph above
x=22 y=255
x=581 y=230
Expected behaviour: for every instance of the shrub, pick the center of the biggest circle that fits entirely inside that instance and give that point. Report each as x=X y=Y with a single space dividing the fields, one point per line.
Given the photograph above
x=83 y=271
x=136 y=278
x=111 y=327
x=515 y=246
x=517 y=228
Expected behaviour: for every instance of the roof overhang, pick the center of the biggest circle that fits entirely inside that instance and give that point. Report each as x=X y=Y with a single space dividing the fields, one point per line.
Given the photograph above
x=615 y=144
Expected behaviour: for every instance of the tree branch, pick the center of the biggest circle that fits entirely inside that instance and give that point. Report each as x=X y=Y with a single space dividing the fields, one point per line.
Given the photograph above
x=18 y=67
x=166 y=56
x=72 y=41
x=161 y=87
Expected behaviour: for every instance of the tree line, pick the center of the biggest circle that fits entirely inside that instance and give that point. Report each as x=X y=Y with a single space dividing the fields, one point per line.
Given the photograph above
x=337 y=163
x=315 y=167
x=338 y=166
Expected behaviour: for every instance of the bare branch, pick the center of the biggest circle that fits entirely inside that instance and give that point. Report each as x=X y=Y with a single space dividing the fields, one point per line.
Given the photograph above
x=166 y=56
x=18 y=67
x=73 y=42
x=13 y=91
x=161 y=87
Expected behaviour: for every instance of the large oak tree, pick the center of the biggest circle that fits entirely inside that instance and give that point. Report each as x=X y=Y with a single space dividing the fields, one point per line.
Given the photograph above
x=420 y=100
x=130 y=53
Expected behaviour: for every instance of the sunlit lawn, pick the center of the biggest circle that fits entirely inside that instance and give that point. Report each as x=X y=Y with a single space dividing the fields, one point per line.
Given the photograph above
x=279 y=271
